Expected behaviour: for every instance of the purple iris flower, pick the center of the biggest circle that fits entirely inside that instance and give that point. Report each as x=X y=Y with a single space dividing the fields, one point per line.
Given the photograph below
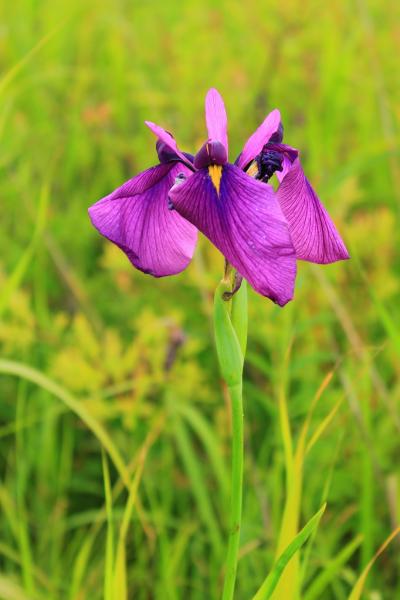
x=154 y=217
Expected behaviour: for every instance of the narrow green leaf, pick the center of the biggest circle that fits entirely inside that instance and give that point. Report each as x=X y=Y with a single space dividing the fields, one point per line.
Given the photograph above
x=273 y=577
x=15 y=278
x=331 y=570
x=9 y=367
x=210 y=442
x=80 y=567
x=359 y=586
x=195 y=472
x=109 y=556
x=120 y=579
x=323 y=425
x=7 y=78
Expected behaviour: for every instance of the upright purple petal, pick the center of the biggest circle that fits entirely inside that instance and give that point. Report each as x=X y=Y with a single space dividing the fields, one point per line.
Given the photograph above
x=313 y=233
x=260 y=137
x=242 y=218
x=167 y=138
x=156 y=240
x=217 y=125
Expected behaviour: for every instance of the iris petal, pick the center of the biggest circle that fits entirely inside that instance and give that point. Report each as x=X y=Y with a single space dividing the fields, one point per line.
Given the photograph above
x=217 y=125
x=260 y=137
x=313 y=233
x=242 y=218
x=142 y=181
x=167 y=138
x=136 y=218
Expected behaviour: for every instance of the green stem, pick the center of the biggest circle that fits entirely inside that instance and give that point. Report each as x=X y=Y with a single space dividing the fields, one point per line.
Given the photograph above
x=230 y=323
x=235 y=393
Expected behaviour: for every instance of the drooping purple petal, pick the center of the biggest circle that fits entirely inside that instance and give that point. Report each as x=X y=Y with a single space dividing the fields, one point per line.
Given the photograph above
x=286 y=166
x=260 y=137
x=156 y=240
x=167 y=138
x=242 y=218
x=142 y=181
x=313 y=233
x=217 y=125
x=289 y=155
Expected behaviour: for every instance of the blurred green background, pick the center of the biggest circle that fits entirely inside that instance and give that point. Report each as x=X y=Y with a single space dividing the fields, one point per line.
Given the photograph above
x=95 y=355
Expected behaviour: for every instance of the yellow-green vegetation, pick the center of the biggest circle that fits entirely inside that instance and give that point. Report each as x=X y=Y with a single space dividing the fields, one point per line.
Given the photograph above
x=114 y=422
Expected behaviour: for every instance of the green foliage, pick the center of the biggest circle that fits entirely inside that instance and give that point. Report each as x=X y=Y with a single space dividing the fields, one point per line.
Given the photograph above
x=230 y=355
x=277 y=572
x=114 y=429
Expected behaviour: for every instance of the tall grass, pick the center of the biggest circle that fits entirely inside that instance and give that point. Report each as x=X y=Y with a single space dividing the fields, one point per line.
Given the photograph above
x=114 y=431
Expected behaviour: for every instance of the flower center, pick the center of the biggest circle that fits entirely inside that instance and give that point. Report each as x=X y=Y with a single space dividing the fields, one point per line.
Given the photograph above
x=211 y=153
x=265 y=164
x=268 y=162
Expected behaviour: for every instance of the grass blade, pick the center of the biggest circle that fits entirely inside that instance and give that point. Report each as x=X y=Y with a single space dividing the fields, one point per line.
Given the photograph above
x=319 y=584
x=109 y=558
x=15 y=69
x=323 y=425
x=120 y=586
x=208 y=438
x=14 y=280
x=359 y=586
x=10 y=367
x=194 y=471
x=273 y=577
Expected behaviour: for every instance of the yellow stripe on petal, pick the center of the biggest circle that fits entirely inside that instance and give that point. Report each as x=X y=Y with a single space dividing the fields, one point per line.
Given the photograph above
x=215 y=173
x=253 y=169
